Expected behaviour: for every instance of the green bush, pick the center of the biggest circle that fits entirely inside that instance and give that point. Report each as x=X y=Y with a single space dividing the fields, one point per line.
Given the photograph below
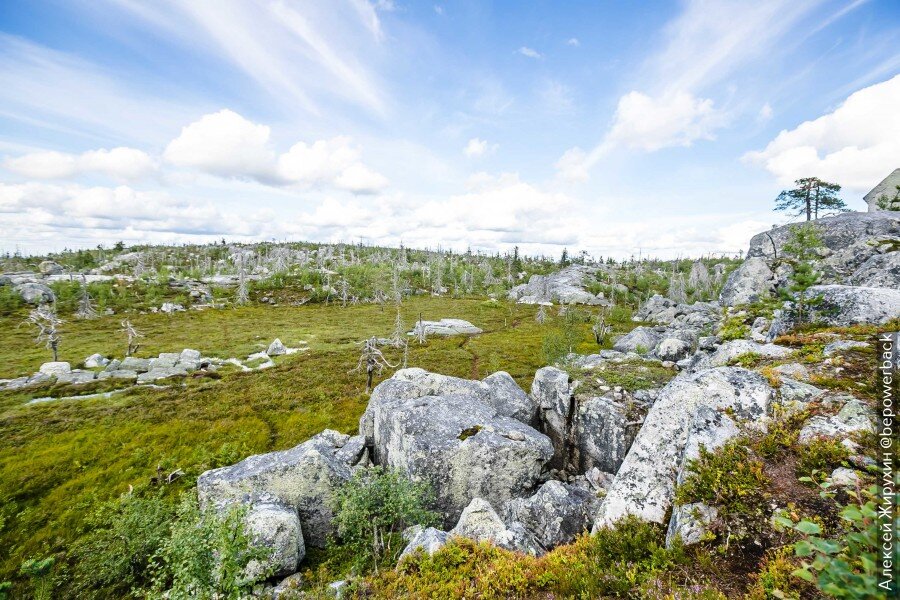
x=818 y=458
x=558 y=344
x=734 y=328
x=205 y=556
x=114 y=557
x=848 y=564
x=10 y=300
x=38 y=571
x=732 y=480
x=372 y=510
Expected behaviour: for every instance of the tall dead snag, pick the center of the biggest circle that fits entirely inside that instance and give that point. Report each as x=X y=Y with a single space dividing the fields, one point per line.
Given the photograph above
x=601 y=327
x=371 y=358
x=46 y=321
x=85 y=302
x=132 y=335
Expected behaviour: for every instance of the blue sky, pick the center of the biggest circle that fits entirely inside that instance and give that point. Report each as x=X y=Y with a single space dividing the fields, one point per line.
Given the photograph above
x=665 y=128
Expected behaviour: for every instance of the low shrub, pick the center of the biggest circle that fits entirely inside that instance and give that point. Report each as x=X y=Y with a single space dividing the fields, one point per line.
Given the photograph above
x=819 y=457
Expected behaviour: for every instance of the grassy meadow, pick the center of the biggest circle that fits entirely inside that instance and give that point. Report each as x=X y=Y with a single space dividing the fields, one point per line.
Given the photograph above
x=59 y=459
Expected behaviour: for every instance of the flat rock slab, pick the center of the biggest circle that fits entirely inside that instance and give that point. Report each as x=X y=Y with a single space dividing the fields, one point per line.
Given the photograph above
x=446 y=327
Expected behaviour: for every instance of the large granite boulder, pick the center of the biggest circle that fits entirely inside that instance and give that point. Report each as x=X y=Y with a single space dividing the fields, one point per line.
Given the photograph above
x=732 y=349
x=750 y=282
x=425 y=539
x=445 y=327
x=302 y=478
x=498 y=390
x=645 y=483
x=48 y=267
x=841 y=306
x=849 y=240
x=462 y=446
x=640 y=339
x=275 y=526
x=855 y=416
x=35 y=293
x=556 y=514
x=587 y=430
x=563 y=287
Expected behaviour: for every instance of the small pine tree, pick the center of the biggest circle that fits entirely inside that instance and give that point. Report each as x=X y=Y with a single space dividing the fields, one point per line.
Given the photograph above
x=802 y=247
x=810 y=196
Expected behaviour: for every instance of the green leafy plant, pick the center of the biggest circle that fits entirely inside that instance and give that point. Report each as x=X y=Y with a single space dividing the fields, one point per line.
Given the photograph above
x=732 y=480
x=372 y=510
x=847 y=564
x=819 y=457
x=38 y=570
x=206 y=556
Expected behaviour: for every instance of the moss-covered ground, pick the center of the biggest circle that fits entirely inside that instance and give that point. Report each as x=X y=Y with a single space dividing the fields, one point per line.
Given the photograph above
x=59 y=459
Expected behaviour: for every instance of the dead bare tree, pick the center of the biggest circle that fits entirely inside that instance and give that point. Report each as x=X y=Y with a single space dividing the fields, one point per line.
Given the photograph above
x=85 y=303
x=132 y=335
x=46 y=321
x=601 y=326
x=421 y=334
x=372 y=359
x=541 y=315
x=398 y=336
x=243 y=292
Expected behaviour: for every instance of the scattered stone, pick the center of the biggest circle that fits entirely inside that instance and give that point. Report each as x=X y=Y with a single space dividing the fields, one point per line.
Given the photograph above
x=165 y=360
x=793 y=370
x=171 y=307
x=276 y=348
x=793 y=391
x=854 y=416
x=563 y=287
x=157 y=373
x=445 y=327
x=48 y=267
x=481 y=523
x=555 y=515
x=842 y=346
x=672 y=350
x=844 y=477
x=429 y=540
x=55 y=369
x=95 y=361
x=274 y=525
x=640 y=339
x=76 y=377
x=131 y=363
x=118 y=374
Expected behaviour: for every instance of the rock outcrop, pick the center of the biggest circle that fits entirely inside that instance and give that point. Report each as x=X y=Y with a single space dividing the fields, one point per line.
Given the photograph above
x=841 y=306
x=749 y=283
x=563 y=287
x=645 y=484
x=451 y=433
x=445 y=327
x=555 y=515
x=301 y=479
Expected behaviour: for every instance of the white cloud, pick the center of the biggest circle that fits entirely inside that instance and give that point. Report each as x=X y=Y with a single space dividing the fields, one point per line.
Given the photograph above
x=679 y=119
x=647 y=124
x=223 y=143
x=229 y=145
x=855 y=145
x=119 y=163
x=573 y=42
x=478 y=147
x=529 y=52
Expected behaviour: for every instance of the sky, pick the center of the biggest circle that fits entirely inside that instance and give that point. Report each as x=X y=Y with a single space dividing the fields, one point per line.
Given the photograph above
x=622 y=129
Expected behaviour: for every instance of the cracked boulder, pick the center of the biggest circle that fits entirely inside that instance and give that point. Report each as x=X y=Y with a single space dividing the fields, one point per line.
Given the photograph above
x=302 y=479
x=481 y=523
x=645 y=483
x=749 y=283
x=556 y=514
x=842 y=306
x=461 y=445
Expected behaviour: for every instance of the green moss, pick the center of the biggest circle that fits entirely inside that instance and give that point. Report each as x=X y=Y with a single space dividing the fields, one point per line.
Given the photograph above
x=631 y=375
x=734 y=328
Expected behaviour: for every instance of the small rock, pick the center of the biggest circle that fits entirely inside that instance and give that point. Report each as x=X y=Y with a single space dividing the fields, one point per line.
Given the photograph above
x=844 y=477
x=55 y=368
x=95 y=360
x=276 y=348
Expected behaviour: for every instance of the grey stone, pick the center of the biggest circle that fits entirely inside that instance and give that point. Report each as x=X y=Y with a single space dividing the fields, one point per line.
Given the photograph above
x=844 y=477
x=750 y=282
x=189 y=355
x=792 y=370
x=672 y=349
x=118 y=374
x=481 y=523
x=275 y=526
x=446 y=327
x=55 y=368
x=690 y=523
x=76 y=377
x=853 y=417
x=165 y=360
x=157 y=373
x=461 y=446
x=276 y=348
x=842 y=346
x=887 y=186
x=640 y=339
x=303 y=478
x=95 y=360
x=733 y=349
x=113 y=365
x=880 y=270
x=428 y=540
x=171 y=307
x=48 y=267
x=131 y=363
x=555 y=515
x=564 y=287
x=645 y=483
x=792 y=391
x=841 y=306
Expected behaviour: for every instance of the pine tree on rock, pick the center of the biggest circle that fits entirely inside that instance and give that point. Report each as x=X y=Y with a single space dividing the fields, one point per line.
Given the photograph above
x=810 y=196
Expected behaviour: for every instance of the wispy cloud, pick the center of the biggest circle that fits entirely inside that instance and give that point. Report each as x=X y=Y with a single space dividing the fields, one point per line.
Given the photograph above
x=529 y=52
